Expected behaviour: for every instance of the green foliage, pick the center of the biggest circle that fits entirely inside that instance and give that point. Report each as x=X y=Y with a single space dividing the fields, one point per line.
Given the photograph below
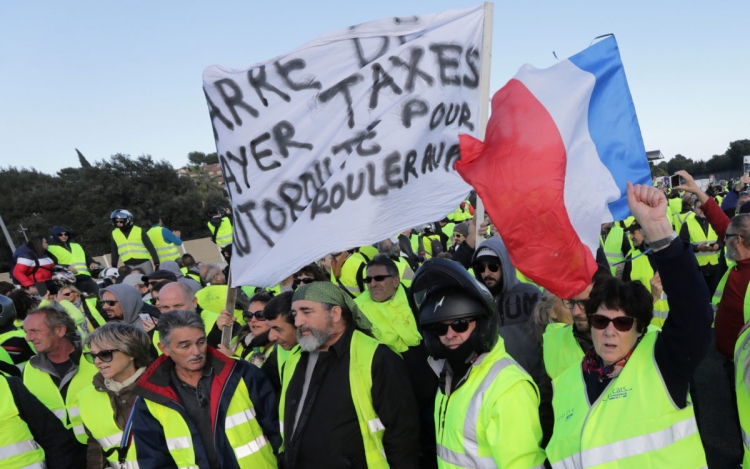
x=199 y=158
x=82 y=159
x=81 y=200
x=657 y=171
x=731 y=160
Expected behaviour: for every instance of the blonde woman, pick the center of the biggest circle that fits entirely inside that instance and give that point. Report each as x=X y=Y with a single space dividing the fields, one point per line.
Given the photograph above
x=121 y=354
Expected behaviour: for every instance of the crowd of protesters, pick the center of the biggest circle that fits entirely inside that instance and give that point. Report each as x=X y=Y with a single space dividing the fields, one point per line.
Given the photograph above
x=427 y=349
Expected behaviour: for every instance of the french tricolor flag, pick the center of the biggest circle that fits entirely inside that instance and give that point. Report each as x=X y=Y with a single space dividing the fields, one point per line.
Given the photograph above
x=560 y=146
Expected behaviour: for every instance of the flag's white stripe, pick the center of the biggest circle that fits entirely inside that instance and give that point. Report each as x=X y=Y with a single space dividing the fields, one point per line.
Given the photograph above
x=565 y=91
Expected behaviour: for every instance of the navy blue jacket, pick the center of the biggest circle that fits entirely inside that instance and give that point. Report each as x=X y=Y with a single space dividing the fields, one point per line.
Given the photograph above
x=154 y=385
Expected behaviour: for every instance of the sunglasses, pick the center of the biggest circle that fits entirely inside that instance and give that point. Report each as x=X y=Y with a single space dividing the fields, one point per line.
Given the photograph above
x=62 y=234
x=458 y=235
x=109 y=302
x=377 y=278
x=104 y=355
x=304 y=280
x=601 y=322
x=248 y=315
x=69 y=293
x=482 y=266
x=459 y=325
x=570 y=304
x=728 y=236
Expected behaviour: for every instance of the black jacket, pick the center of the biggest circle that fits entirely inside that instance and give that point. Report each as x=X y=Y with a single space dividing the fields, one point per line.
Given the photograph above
x=328 y=434
x=61 y=449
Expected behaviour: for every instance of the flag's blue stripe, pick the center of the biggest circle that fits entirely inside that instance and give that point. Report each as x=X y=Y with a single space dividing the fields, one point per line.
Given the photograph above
x=613 y=124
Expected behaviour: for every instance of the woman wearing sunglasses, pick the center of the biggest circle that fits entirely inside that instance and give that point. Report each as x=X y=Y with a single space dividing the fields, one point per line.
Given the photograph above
x=121 y=354
x=251 y=342
x=627 y=404
x=486 y=410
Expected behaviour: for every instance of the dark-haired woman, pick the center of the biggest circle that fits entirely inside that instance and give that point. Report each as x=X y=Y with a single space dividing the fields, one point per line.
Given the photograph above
x=251 y=342
x=33 y=263
x=626 y=405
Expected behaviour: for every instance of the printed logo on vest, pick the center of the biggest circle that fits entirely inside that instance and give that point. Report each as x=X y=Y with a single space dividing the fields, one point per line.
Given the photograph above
x=565 y=416
x=618 y=393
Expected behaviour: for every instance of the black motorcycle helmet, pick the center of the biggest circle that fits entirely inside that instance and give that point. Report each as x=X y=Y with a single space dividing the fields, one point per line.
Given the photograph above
x=443 y=290
x=7 y=311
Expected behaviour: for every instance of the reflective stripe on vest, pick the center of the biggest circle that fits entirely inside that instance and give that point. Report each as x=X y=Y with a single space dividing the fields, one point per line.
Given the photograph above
x=630 y=447
x=41 y=385
x=239 y=418
x=111 y=440
x=75 y=257
x=461 y=441
x=361 y=353
x=720 y=291
x=681 y=218
x=17 y=445
x=697 y=236
x=97 y=416
x=471 y=445
x=182 y=442
x=223 y=233
x=613 y=245
x=651 y=431
x=8 y=451
x=242 y=431
x=131 y=247
x=165 y=250
x=249 y=448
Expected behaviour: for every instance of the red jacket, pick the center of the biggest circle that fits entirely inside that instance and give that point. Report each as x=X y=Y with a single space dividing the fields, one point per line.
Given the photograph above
x=26 y=262
x=730 y=313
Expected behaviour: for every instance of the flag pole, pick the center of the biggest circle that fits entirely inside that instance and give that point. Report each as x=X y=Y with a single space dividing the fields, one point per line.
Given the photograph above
x=484 y=101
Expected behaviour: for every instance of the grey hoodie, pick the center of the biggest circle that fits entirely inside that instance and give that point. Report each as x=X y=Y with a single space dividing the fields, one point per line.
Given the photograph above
x=515 y=304
x=173 y=267
x=130 y=302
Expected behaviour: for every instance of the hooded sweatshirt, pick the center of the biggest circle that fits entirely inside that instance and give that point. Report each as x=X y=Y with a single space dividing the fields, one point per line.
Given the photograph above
x=171 y=266
x=130 y=302
x=515 y=303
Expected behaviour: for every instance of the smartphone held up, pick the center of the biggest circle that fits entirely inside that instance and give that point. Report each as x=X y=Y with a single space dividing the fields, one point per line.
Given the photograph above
x=675 y=180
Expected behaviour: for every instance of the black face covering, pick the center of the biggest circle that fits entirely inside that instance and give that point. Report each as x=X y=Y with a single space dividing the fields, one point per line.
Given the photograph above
x=459 y=360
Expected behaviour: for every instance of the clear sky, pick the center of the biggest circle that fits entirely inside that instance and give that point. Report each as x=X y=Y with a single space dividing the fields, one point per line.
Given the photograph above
x=125 y=77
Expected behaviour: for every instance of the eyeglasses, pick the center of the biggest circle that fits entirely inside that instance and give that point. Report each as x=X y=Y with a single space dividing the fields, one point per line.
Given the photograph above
x=601 y=322
x=248 y=315
x=728 y=236
x=304 y=280
x=459 y=325
x=482 y=266
x=103 y=355
x=62 y=234
x=570 y=304
x=377 y=278
x=109 y=302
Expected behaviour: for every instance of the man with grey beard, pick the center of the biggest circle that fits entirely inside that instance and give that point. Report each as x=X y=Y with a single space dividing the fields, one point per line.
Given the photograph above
x=339 y=381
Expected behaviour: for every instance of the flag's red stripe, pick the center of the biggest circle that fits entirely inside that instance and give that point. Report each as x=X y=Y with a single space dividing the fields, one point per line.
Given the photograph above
x=519 y=173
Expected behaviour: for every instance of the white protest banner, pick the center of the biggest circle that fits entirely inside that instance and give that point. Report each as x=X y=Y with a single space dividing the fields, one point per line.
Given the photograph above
x=347 y=140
